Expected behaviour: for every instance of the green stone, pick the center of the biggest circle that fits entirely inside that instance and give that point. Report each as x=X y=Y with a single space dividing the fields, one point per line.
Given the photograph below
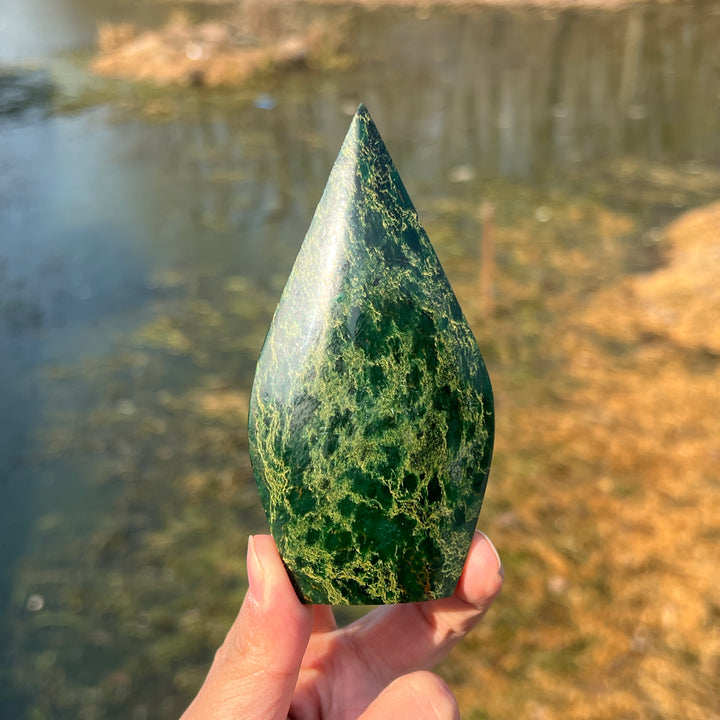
x=371 y=415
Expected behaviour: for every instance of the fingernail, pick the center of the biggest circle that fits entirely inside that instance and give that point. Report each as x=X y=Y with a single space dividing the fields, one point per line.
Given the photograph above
x=501 y=570
x=256 y=573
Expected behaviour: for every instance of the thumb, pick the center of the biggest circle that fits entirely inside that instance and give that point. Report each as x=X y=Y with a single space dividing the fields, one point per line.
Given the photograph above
x=254 y=672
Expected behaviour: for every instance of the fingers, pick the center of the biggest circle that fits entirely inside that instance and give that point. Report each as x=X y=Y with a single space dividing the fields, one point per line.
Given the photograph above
x=256 y=669
x=481 y=579
x=417 y=696
x=254 y=673
x=323 y=619
x=400 y=638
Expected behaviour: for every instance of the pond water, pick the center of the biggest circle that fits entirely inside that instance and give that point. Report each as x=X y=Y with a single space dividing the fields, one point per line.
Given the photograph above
x=142 y=254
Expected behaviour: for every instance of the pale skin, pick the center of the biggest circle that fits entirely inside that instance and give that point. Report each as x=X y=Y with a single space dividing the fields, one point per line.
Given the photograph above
x=282 y=660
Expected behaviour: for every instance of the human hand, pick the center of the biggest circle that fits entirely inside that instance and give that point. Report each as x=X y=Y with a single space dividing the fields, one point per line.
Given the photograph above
x=282 y=660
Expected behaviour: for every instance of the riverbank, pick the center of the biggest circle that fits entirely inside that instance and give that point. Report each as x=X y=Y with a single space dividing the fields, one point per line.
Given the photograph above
x=260 y=38
x=214 y=53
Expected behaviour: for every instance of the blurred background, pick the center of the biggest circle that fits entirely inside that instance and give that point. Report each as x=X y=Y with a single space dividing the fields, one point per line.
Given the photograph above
x=159 y=165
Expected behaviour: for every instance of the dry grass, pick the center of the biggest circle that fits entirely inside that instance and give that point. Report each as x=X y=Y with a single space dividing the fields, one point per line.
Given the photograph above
x=606 y=506
x=228 y=53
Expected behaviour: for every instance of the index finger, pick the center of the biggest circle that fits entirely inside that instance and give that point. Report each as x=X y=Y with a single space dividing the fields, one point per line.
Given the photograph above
x=398 y=639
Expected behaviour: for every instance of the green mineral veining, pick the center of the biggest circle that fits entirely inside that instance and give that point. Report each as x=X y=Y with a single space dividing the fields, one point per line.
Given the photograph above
x=371 y=414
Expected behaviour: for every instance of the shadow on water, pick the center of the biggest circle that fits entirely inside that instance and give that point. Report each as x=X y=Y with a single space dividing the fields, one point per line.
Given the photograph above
x=140 y=262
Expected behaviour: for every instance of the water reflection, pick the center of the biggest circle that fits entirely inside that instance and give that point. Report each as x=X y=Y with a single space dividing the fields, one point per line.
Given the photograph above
x=517 y=93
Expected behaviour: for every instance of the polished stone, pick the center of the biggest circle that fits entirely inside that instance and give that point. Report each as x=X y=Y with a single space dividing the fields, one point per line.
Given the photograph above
x=371 y=414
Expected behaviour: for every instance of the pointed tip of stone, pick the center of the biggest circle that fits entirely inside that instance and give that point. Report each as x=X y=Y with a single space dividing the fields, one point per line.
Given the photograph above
x=362 y=128
x=362 y=116
x=358 y=131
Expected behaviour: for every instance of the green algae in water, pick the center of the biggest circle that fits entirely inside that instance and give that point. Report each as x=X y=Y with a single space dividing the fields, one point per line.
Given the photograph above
x=371 y=415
